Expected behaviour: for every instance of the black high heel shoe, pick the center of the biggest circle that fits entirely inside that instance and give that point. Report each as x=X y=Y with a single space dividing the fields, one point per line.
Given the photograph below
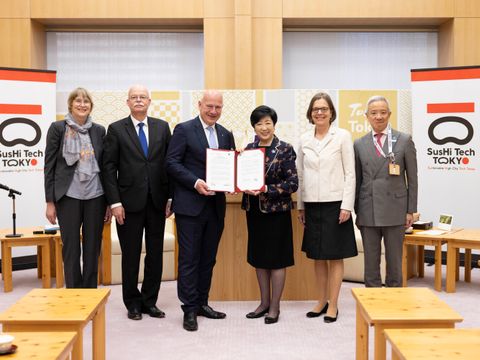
x=272 y=320
x=254 y=315
x=313 y=314
x=330 y=319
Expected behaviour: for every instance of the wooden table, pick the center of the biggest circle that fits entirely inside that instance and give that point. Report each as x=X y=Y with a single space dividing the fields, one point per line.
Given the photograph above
x=43 y=241
x=446 y=344
x=61 y=310
x=467 y=239
x=42 y=345
x=397 y=308
x=420 y=240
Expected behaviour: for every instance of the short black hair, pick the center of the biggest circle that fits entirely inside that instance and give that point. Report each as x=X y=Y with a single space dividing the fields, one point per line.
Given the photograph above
x=263 y=111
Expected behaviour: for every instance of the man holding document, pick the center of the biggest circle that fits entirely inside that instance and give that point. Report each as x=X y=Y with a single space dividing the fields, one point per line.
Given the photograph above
x=199 y=211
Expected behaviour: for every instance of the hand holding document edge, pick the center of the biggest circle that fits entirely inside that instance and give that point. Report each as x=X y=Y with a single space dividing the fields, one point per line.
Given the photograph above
x=231 y=171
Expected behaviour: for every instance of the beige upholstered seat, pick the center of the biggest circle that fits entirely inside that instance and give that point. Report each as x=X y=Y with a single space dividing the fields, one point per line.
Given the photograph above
x=169 y=272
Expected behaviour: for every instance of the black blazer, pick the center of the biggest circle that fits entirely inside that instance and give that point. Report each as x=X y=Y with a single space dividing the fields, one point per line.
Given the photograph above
x=58 y=175
x=186 y=163
x=128 y=175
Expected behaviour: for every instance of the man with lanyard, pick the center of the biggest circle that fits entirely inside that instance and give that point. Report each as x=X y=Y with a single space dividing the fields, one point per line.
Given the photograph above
x=386 y=192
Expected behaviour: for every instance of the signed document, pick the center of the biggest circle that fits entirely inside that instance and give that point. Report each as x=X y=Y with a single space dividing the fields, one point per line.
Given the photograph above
x=230 y=171
x=251 y=170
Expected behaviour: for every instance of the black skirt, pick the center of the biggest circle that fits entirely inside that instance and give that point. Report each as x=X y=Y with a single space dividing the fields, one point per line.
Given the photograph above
x=270 y=239
x=324 y=238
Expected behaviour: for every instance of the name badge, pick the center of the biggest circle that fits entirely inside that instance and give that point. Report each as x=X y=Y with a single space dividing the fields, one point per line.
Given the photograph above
x=394 y=169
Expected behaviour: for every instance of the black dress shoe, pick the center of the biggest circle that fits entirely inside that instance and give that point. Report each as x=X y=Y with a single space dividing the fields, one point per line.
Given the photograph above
x=153 y=311
x=254 y=315
x=134 y=314
x=313 y=314
x=272 y=320
x=190 y=321
x=208 y=312
x=330 y=319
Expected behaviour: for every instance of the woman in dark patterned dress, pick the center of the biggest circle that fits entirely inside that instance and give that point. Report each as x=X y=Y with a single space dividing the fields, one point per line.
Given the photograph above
x=270 y=239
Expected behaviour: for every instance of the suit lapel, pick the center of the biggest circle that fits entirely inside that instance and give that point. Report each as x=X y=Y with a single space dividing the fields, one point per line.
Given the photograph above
x=377 y=161
x=395 y=138
x=200 y=132
x=328 y=138
x=132 y=134
x=95 y=142
x=152 y=135
x=223 y=137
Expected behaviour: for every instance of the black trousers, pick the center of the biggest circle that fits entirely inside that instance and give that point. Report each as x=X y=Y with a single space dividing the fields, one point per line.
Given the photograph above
x=130 y=234
x=88 y=215
x=198 y=239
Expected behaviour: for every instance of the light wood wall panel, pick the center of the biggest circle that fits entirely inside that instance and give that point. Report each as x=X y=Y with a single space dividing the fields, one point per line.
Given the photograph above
x=112 y=9
x=446 y=49
x=243 y=7
x=219 y=51
x=38 y=46
x=367 y=9
x=466 y=49
x=267 y=8
x=467 y=8
x=16 y=39
x=14 y=9
x=218 y=8
x=267 y=53
x=243 y=52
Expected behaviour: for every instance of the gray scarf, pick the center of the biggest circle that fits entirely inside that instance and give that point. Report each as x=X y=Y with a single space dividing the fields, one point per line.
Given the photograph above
x=77 y=147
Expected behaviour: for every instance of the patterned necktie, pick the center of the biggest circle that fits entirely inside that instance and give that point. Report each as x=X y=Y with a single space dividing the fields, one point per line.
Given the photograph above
x=379 y=142
x=142 y=138
x=212 y=140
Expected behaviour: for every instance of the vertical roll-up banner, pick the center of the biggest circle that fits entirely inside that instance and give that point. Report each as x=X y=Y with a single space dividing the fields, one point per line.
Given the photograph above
x=27 y=108
x=446 y=119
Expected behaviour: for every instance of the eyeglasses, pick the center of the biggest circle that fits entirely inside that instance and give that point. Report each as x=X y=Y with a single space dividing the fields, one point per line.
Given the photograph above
x=323 y=110
x=81 y=101
x=138 y=97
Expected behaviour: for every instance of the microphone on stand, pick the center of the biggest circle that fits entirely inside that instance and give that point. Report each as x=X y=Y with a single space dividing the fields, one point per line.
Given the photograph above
x=5 y=187
x=11 y=193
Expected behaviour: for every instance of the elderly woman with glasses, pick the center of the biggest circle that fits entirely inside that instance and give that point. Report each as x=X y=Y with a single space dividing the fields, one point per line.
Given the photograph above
x=326 y=172
x=73 y=188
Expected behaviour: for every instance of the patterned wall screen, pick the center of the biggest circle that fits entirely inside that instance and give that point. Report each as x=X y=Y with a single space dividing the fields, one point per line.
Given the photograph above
x=291 y=106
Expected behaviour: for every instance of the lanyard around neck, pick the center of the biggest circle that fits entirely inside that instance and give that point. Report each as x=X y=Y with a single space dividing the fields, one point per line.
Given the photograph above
x=389 y=142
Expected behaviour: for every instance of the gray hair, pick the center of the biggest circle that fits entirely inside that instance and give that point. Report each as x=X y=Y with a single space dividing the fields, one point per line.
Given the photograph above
x=376 y=98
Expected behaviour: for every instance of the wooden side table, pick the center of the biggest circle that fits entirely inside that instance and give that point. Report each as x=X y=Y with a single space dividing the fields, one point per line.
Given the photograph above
x=397 y=308
x=43 y=241
x=467 y=239
x=43 y=345
x=421 y=240
x=446 y=344
x=56 y=261
x=61 y=310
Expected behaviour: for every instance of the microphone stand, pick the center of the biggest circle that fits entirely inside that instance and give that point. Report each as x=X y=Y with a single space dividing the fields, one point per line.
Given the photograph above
x=11 y=193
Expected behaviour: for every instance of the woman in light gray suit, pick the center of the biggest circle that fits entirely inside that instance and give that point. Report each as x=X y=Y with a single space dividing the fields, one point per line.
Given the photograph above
x=326 y=173
x=73 y=188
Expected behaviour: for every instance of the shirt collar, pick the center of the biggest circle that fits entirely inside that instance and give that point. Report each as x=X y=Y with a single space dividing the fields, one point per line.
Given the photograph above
x=136 y=122
x=204 y=124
